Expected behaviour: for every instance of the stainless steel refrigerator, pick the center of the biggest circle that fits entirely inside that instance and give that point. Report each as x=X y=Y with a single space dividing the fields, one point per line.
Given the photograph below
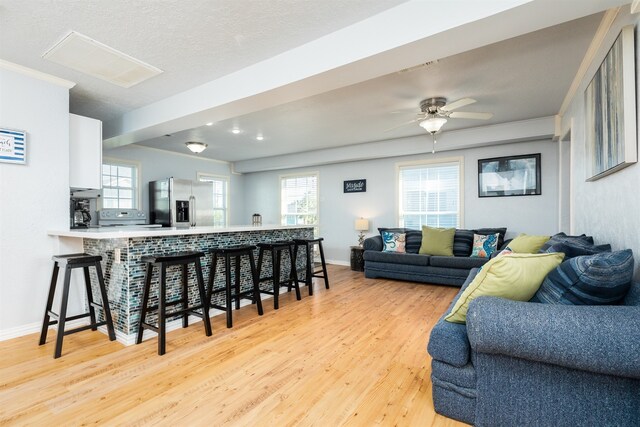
x=181 y=203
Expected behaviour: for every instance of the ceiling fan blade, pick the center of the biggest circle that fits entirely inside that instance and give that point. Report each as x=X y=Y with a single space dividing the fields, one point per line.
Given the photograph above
x=457 y=104
x=403 y=111
x=403 y=124
x=477 y=116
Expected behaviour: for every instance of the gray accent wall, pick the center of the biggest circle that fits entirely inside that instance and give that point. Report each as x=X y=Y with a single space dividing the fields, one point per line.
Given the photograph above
x=607 y=208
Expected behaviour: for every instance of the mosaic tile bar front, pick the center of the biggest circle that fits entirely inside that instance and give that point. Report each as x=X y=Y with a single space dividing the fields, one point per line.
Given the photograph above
x=124 y=278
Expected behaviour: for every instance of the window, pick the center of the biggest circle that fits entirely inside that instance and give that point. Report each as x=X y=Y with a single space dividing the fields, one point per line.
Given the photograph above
x=299 y=200
x=119 y=185
x=429 y=194
x=220 y=198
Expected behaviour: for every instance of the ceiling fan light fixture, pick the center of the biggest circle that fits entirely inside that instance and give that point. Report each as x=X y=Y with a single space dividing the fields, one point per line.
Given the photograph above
x=433 y=124
x=196 y=147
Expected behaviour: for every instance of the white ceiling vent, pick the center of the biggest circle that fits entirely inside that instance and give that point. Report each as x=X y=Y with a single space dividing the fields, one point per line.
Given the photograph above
x=99 y=60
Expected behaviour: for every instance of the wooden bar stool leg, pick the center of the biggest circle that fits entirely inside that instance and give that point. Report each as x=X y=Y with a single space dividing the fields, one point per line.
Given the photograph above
x=205 y=304
x=63 y=312
x=92 y=311
x=237 y=287
x=309 y=269
x=162 y=327
x=275 y=257
x=145 y=301
x=212 y=275
x=106 y=310
x=185 y=295
x=227 y=266
x=294 y=277
x=52 y=290
x=256 y=283
x=324 y=266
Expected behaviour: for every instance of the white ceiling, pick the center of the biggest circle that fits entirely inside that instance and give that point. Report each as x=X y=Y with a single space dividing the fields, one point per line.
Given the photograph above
x=196 y=42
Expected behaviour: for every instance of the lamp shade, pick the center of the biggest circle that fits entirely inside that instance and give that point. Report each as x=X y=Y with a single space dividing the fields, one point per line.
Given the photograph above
x=362 y=224
x=196 y=147
x=433 y=124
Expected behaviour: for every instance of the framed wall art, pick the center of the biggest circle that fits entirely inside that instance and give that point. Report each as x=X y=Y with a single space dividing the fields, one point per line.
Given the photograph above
x=355 y=186
x=610 y=110
x=509 y=176
x=13 y=146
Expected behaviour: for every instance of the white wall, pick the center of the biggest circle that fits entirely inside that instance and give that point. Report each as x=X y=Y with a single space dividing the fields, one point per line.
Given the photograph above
x=33 y=198
x=158 y=164
x=607 y=208
x=338 y=211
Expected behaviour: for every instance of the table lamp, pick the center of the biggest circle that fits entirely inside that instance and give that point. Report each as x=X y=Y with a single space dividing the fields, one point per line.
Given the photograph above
x=362 y=225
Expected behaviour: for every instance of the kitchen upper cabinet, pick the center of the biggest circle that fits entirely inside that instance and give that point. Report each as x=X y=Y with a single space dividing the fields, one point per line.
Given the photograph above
x=85 y=152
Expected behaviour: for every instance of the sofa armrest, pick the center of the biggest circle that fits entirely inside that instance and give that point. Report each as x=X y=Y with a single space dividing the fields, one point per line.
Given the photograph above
x=601 y=339
x=373 y=243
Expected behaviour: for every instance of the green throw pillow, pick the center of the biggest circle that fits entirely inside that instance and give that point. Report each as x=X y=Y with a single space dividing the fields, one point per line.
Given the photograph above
x=515 y=276
x=525 y=244
x=437 y=241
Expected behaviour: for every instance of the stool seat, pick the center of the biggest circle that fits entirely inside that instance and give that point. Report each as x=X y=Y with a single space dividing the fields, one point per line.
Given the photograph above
x=172 y=258
x=70 y=262
x=232 y=249
x=74 y=259
x=303 y=241
x=163 y=261
x=280 y=244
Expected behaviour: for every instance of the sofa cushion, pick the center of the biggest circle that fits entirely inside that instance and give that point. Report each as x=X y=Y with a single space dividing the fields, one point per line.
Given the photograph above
x=396 y=258
x=462 y=242
x=393 y=242
x=515 y=277
x=457 y=262
x=413 y=241
x=484 y=245
x=603 y=278
x=486 y=231
x=460 y=376
x=437 y=241
x=633 y=295
x=527 y=244
x=562 y=237
x=574 y=248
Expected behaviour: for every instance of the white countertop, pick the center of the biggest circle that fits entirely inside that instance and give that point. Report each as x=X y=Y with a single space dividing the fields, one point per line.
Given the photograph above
x=131 y=231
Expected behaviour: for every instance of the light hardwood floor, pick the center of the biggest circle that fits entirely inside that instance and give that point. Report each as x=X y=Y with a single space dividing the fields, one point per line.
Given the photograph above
x=352 y=355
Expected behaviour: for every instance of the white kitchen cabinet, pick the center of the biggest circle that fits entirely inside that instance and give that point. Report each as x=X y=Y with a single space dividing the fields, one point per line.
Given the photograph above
x=85 y=152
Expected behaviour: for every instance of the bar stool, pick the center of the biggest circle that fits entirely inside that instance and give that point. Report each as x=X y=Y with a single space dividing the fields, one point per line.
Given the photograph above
x=70 y=262
x=276 y=249
x=309 y=268
x=233 y=292
x=164 y=261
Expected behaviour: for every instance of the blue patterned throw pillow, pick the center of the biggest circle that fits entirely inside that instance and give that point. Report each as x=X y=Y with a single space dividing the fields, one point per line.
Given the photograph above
x=574 y=248
x=393 y=242
x=484 y=246
x=462 y=242
x=588 y=280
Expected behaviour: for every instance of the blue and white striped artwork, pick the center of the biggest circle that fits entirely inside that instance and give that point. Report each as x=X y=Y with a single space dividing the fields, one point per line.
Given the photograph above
x=13 y=146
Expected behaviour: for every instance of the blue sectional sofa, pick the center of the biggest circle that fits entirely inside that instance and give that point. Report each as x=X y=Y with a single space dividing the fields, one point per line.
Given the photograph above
x=414 y=267
x=525 y=363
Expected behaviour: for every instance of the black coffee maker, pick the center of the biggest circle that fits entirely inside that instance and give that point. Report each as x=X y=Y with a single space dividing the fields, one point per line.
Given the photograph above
x=81 y=204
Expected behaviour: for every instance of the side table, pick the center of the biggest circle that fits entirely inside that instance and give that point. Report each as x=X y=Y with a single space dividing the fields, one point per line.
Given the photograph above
x=357 y=258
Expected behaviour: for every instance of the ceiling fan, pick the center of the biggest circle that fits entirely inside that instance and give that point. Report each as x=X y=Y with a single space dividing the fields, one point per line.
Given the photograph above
x=434 y=113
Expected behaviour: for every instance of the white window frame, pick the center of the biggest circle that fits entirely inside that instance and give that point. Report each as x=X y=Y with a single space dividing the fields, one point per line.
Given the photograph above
x=316 y=226
x=427 y=163
x=227 y=182
x=137 y=201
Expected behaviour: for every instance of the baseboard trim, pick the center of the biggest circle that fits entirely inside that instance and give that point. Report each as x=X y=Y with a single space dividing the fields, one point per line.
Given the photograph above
x=338 y=262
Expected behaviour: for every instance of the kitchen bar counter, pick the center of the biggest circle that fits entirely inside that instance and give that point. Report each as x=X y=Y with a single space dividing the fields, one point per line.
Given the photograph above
x=122 y=247
x=118 y=232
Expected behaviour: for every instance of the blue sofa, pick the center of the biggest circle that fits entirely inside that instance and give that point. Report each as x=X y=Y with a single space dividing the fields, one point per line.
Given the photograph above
x=525 y=363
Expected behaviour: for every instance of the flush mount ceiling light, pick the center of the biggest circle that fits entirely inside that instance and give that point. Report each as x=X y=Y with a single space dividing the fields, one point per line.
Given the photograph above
x=96 y=59
x=235 y=131
x=210 y=124
x=260 y=138
x=196 y=147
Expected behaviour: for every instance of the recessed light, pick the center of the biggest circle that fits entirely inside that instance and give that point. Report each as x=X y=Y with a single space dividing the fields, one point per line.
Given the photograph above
x=210 y=124
x=259 y=137
x=235 y=131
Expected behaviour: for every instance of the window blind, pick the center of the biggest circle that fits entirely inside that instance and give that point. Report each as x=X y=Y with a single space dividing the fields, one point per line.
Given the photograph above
x=299 y=200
